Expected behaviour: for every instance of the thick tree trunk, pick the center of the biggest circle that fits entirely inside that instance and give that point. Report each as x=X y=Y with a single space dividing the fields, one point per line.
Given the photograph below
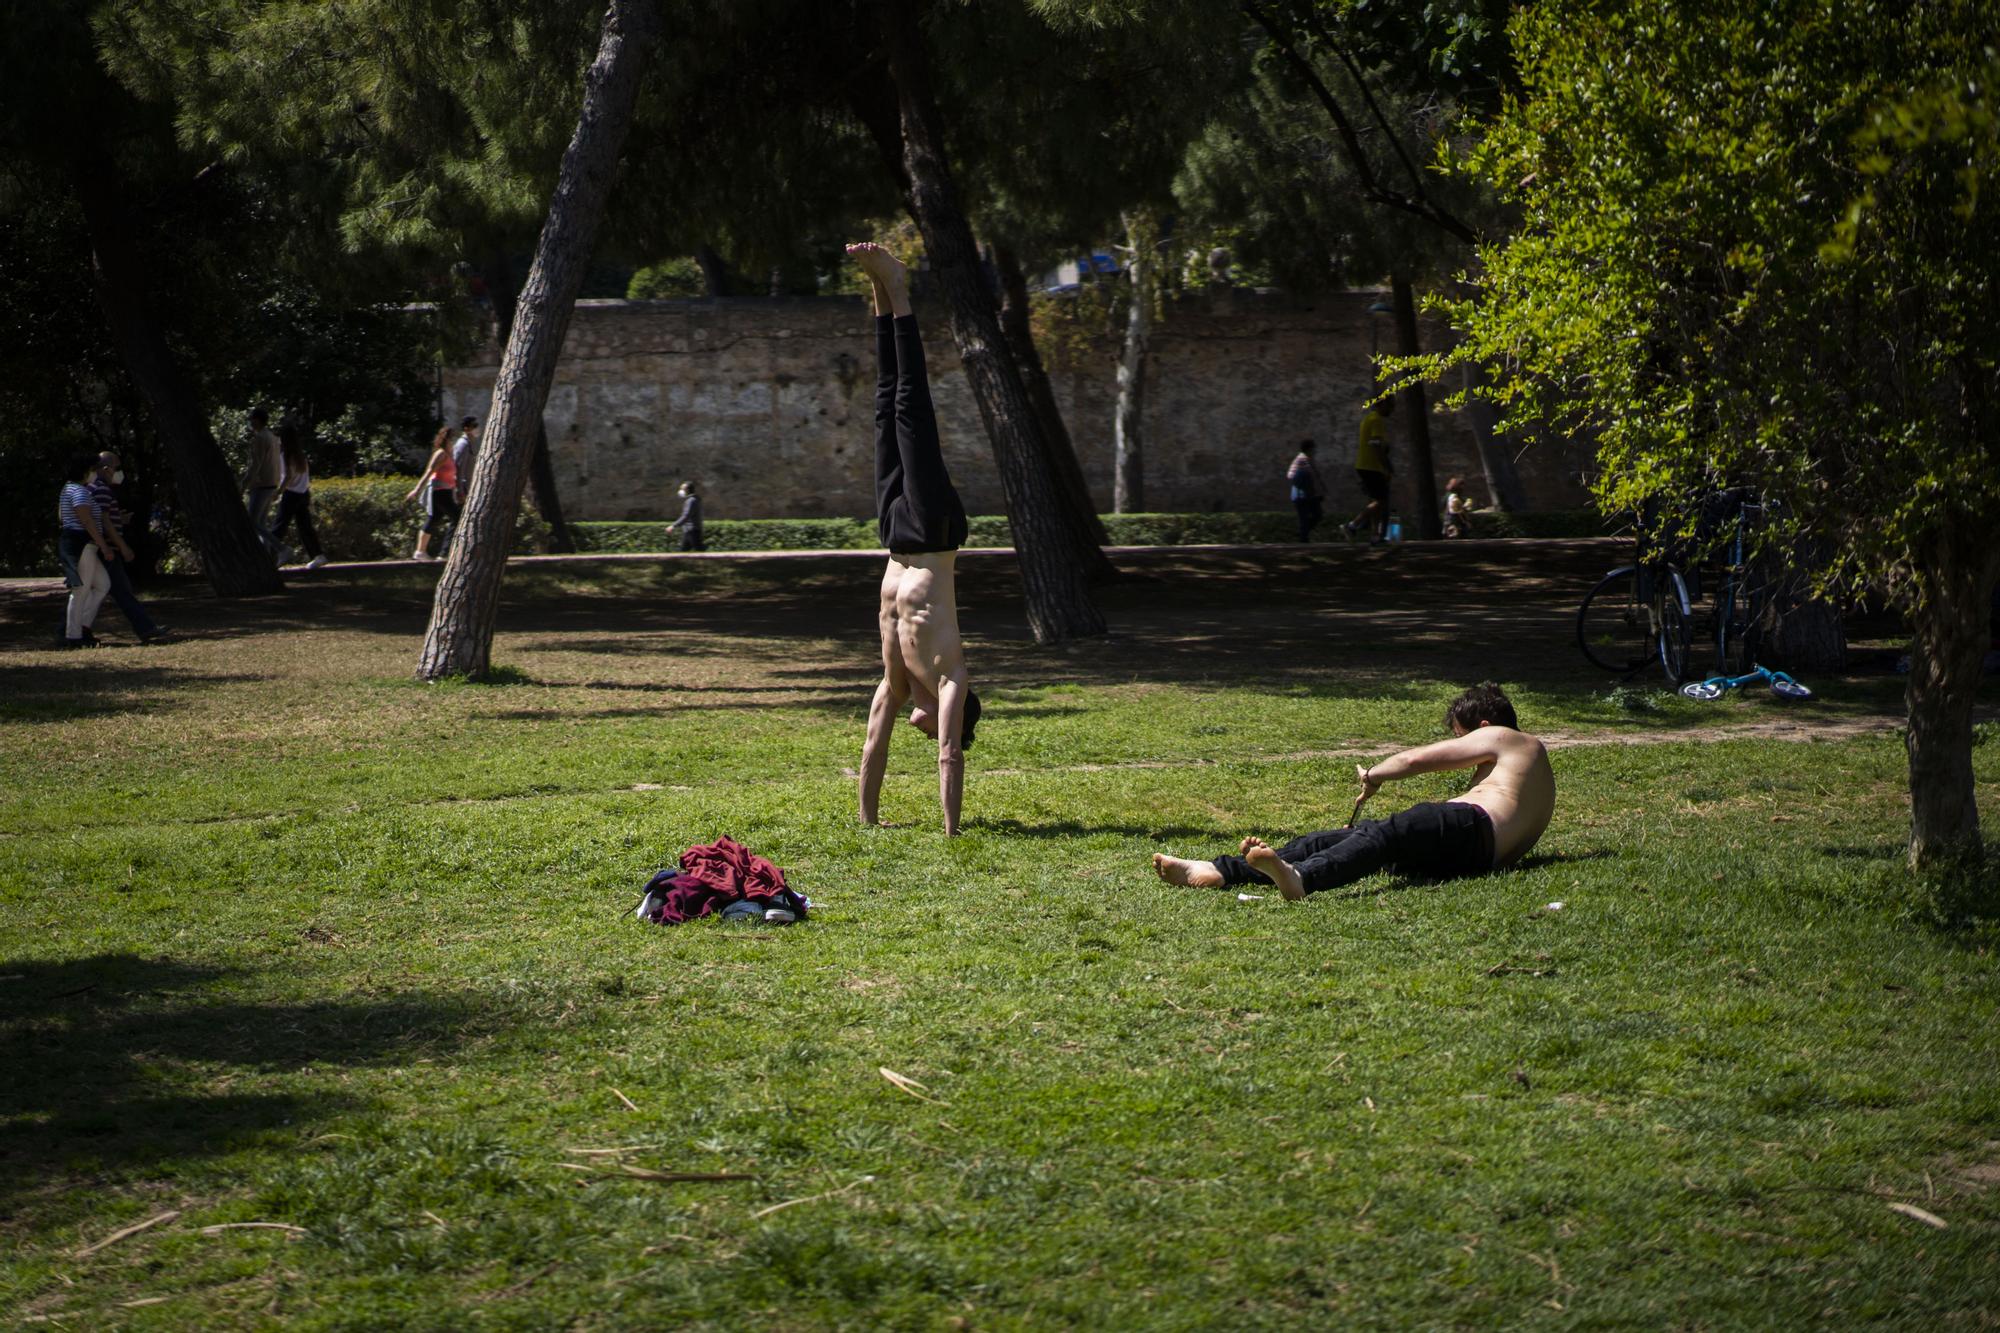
x=460 y=639
x=232 y=557
x=1017 y=327
x=1952 y=629
x=541 y=470
x=1428 y=526
x=714 y=272
x=1051 y=558
x=1128 y=425
x=1503 y=480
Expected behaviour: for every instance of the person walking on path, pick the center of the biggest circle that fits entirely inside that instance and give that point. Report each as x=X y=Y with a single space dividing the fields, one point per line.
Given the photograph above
x=1493 y=825
x=84 y=544
x=1371 y=469
x=112 y=516
x=295 y=498
x=464 y=453
x=922 y=522
x=1308 y=498
x=262 y=474
x=439 y=487
x=688 y=525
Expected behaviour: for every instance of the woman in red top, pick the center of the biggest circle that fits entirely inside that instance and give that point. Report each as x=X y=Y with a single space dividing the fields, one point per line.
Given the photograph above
x=441 y=499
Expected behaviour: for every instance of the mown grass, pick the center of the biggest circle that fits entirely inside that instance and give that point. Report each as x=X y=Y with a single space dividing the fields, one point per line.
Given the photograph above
x=287 y=938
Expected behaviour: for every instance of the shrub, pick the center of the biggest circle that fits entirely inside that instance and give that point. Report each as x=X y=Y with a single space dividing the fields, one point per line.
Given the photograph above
x=850 y=534
x=367 y=518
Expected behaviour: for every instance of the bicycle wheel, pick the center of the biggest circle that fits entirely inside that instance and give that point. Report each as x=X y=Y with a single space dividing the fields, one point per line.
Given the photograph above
x=1613 y=627
x=1673 y=618
x=1703 y=689
x=1739 y=614
x=1786 y=688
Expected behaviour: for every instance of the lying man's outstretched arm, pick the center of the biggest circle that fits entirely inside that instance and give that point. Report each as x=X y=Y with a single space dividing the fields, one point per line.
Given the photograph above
x=1468 y=751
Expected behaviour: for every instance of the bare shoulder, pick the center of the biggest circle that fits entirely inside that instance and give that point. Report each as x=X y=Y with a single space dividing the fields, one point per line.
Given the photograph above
x=1518 y=746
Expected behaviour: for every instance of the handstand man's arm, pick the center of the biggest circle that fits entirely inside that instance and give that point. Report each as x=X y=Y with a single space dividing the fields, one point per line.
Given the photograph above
x=951 y=755
x=875 y=750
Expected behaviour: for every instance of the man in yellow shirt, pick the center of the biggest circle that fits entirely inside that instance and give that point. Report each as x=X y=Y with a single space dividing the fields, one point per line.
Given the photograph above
x=1371 y=469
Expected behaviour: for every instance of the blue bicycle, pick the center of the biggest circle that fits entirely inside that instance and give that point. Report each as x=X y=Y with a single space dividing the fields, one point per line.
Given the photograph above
x=1782 y=685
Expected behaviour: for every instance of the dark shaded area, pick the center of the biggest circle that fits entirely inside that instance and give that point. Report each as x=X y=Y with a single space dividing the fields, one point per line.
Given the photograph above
x=1319 y=621
x=89 y=1045
x=117 y=683
x=1066 y=828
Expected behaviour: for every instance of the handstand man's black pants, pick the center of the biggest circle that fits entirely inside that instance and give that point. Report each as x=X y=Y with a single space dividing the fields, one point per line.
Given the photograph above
x=1435 y=840
x=916 y=507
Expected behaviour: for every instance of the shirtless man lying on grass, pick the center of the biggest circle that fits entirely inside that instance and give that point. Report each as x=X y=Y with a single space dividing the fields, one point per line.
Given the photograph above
x=1493 y=825
x=922 y=522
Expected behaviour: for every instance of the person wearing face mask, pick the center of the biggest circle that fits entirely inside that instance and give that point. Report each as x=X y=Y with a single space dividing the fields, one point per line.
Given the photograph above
x=114 y=518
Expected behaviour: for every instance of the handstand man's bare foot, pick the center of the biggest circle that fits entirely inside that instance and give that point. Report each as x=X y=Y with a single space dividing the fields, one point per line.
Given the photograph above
x=889 y=274
x=1281 y=873
x=1188 y=874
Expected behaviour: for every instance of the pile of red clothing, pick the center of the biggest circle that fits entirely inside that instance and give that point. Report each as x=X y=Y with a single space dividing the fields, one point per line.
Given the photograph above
x=713 y=877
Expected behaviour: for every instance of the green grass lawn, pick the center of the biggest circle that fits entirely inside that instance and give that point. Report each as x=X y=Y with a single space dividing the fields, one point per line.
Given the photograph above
x=288 y=939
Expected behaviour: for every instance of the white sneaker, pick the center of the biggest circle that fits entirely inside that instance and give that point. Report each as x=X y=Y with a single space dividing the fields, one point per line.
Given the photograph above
x=316 y=562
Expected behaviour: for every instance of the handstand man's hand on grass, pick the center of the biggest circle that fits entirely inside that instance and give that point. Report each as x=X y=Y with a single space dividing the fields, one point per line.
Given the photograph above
x=1510 y=803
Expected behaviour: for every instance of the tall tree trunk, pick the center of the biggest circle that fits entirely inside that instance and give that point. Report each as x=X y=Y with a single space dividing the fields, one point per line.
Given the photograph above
x=1050 y=556
x=541 y=470
x=460 y=639
x=232 y=556
x=1503 y=481
x=1429 y=526
x=1016 y=325
x=1952 y=627
x=714 y=270
x=1128 y=425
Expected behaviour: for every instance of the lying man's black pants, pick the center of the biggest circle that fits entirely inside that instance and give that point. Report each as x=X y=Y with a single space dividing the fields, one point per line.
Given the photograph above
x=1435 y=840
x=916 y=507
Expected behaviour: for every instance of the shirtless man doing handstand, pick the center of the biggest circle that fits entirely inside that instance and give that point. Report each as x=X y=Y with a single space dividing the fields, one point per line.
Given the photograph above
x=922 y=523
x=1512 y=798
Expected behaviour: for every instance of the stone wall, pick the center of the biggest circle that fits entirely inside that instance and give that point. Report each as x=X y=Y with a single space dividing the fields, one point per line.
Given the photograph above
x=769 y=405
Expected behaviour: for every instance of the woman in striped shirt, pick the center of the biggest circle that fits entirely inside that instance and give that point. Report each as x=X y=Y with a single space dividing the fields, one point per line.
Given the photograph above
x=84 y=549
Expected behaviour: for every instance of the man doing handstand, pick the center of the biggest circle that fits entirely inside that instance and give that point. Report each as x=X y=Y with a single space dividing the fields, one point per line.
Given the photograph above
x=1492 y=825
x=922 y=522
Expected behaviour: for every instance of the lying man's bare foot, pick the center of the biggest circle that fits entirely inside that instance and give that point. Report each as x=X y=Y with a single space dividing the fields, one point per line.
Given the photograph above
x=1281 y=873
x=1188 y=874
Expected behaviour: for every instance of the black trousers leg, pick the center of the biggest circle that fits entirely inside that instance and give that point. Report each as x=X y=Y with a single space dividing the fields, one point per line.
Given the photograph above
x=888 y=461
x=1434 y=840
x=925 y=513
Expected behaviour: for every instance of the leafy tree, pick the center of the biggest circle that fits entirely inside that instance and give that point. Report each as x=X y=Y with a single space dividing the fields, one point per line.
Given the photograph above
x=70 y=131
x=1762 y=247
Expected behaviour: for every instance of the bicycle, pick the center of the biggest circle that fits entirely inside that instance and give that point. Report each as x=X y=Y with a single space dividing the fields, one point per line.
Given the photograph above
x=1741 y=596
x=1782 y=685
x=1637 y=614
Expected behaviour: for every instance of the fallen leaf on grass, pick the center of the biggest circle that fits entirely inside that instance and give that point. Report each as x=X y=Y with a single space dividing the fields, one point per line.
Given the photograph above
x=221 y=1227
x=132 y=1230
x=1927 y=1218
x=904 y=1083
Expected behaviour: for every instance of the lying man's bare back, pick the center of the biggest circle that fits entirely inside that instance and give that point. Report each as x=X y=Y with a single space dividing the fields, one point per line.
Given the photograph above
x=1512 y=799
x=923 y=524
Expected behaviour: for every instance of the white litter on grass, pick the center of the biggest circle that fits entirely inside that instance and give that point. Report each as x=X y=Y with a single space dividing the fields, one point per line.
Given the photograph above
x=1553 y=907
x=1249 y=897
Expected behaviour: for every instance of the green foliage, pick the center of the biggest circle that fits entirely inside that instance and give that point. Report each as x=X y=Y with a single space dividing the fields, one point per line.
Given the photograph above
x=668 y=278
x=1756 y=251
x=859 y=534
x=369 y=518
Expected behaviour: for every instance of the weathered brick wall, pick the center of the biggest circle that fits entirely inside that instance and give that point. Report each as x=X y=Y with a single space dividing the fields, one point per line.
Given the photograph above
x=769 y=405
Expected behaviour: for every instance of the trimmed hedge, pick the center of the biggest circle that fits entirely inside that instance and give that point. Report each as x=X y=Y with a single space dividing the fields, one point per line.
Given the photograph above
x=367 y=518
x=859 y=534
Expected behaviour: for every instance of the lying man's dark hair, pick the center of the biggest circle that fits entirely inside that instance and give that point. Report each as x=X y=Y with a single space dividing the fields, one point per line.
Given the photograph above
x=972 y=712
x=1484 y=702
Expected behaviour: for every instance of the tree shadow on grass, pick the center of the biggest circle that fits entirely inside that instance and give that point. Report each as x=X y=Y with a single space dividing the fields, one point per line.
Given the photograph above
x=105 y=687
x=94 y=1050
x=1069 y=828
